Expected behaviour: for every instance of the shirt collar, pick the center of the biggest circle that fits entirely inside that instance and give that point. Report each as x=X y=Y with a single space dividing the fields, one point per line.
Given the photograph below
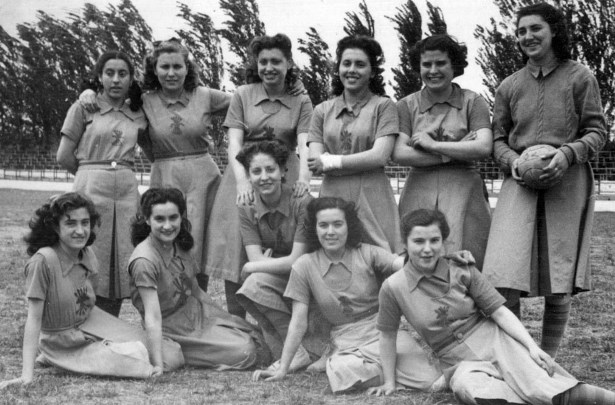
x=105 y=108
x=546 y=69
x=455 y=99
x=183 y=99
x=283 y=207
x=86 y=259
x=324 y=263
x=339 y=105
x=164 y=255
x=414 y=276
x=261 y=95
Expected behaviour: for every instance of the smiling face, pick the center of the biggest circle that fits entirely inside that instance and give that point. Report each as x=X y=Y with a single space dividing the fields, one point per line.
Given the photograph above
x=272 y=67
x=535 y=38
x=332 y=230
x=355 y=71
x=171 y=71
x=116 y=79
x=165 y=222
x=265 y=176
x=425 y=245
x=436 y=71
x=74 y=230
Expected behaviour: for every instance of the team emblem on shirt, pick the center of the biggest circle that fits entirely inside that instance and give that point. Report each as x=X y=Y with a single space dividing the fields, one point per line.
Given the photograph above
x=81 y=294
x=176 y=126
x=182 y=290
x=346 y=305
x=118 y=137
x=346 y=141
x=442 y=316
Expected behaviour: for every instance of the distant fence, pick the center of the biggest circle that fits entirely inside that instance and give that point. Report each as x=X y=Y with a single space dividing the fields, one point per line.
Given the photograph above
x=38 y=164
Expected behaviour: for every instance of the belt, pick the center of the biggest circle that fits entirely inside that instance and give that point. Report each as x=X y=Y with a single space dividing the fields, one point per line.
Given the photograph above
x=459 y=334
x=106 y=164
x=171 y=155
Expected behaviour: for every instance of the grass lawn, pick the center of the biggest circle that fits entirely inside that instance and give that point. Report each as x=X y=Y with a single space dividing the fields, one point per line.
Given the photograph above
x=588 y=350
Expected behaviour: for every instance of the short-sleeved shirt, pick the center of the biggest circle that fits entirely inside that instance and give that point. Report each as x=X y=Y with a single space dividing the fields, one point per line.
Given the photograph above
x=276 y=229
x=172 y=276
x=344 y=131
x=65 y=285
x=184 y=126
x=345 y=291
x=439 y=304
x=262 y=118
x=449 y=121
x=107 y=134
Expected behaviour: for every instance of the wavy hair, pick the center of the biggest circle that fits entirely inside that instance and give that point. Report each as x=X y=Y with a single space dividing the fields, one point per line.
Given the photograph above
x=424 y=217
x=374 y=53
x=456 y=51
x=278 y=41
x=274 y=148
x=140 y=230
x=173 y=45
x=94 y=83
x=355 y=227
x=46 y=220
x=557 y=22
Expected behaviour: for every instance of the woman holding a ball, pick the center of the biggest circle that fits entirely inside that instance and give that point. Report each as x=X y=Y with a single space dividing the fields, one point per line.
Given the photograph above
x=539 y=238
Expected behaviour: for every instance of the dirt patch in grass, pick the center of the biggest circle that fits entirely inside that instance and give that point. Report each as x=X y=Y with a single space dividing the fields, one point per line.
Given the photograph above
x=588 y=350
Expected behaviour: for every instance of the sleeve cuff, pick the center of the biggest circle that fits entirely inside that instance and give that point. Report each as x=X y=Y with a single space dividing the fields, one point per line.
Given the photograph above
x=569 y=152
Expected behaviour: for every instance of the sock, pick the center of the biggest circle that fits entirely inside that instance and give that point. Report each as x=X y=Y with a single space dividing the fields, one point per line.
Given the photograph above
x=513 y=300
x=585 y=394
x=555 y=318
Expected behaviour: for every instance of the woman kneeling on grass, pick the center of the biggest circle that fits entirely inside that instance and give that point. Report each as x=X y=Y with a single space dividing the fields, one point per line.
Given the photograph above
x=60 y=280
x=341 y=276
x=486 y=353
x=165 y=291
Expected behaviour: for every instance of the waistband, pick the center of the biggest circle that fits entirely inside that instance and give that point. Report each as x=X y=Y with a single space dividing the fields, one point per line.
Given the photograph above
x=175 y=155
x=459 y=335
x=105 y=164
x=379 y=170
x=447 y=166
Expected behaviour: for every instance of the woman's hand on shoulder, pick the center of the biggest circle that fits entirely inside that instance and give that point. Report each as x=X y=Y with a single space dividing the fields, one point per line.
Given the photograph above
x=300 y=188
x=462 y=257
x=384 y=389
x=14 y=381
x=245 y=193
x=268 y=375
x=541 y=358
x=296 y=88
x=88 y=100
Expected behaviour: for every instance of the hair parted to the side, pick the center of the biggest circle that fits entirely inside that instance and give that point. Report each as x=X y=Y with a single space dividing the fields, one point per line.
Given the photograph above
x=140 y=230
x=556 y=20
x=274 y=148
x=424 y=217
x=278 y=41
x=134 y=91
x=355 y=227
x=46 y=220
x=173 y=45
x=456 y=51
x=374 y=53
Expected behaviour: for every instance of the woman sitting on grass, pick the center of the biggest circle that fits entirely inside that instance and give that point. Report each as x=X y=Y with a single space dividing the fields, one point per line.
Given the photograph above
x=486 y=354
x=60 y=280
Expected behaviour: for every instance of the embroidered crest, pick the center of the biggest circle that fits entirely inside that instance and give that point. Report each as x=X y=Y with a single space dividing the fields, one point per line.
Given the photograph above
x=177 y=124
x=346 y=305
x=442 y=316
x=346 y=141
x=81 y=294
x=269 y=133
x=118 y=137
x=182 y=290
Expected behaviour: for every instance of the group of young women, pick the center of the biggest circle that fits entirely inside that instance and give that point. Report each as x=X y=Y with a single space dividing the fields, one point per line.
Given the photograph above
x=313 y=272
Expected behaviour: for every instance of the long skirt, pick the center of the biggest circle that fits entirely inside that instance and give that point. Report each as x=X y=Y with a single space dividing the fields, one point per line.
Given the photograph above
x=356 y=359
x=458 y=192
x=539 y=241
x=116 y=197
x=198 y=178
x=490 y=364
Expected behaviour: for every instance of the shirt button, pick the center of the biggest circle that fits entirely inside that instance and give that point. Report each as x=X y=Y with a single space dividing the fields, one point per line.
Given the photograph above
x=113 y=164
x=459 y=335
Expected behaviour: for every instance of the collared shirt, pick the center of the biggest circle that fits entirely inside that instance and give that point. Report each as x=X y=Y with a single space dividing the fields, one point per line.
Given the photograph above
x=449 y=121
x=278 y=228
x=436 y=305
x=66 y=286
x=561 y=107
x=108 y=134
x=170 y=274
x=183 y=126
x=345 y=131
x=345 y=291
x=262 y=118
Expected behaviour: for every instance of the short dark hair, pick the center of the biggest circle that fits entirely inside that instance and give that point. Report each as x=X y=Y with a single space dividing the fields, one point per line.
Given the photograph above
x=557 y=22
x=274 y=148
x=278 y=41
x=173 y=45
x=154 y=196
x=424 y=217
x=374 y=53
x=134 y=92
x=456 y=51
x=46 y=220
x=355 y=227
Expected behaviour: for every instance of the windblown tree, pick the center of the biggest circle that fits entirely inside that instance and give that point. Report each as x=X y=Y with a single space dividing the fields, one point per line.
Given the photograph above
x=360 y=24
x=12 y=102
x=316 y=76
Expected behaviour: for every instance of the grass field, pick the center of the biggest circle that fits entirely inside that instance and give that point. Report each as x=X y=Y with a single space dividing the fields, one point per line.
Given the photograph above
x=588 y=350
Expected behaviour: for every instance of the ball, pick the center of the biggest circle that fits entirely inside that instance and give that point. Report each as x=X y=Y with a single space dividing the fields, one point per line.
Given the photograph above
x=530 y=166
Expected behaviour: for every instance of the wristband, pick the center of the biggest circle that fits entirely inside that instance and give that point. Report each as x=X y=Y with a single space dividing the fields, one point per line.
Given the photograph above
x=331 y=162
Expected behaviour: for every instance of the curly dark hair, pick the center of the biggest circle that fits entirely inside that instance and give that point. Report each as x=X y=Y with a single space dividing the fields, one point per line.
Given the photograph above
x=456 y=51
x=355 y=227
x=557 y=22
x=173 y=45
x=424 y=217
x=94 y=83
x=274 y=148
x=278 y=41
x=46 y=220
x=140 y=230
x=373 y=50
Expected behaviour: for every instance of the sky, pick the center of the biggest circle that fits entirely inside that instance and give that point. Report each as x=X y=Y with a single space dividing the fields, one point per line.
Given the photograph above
x=292 y=17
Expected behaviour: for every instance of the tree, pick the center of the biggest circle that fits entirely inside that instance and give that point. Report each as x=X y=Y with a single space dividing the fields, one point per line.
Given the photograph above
x=316 y=76
x=244 y=24
x=355 y=25
x=11 y=89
